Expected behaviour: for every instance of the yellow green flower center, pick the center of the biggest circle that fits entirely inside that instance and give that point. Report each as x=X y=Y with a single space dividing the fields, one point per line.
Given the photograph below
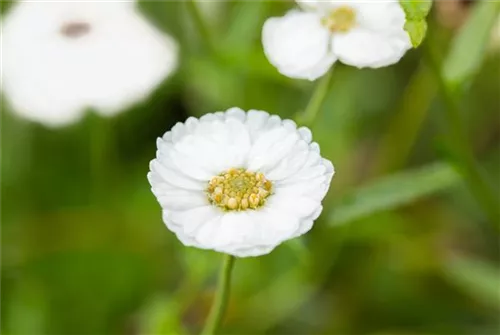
x=239 y=189
x=341 y=19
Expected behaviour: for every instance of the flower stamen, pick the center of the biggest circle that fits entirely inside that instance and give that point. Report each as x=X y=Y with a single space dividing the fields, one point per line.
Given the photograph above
x=341 y=19
x=75 y=30
x=239 y=189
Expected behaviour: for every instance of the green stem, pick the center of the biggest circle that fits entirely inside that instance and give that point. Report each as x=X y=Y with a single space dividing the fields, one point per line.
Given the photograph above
x=200 y=24
x=222 y=296
x=308 y=117
x=462 y=149
x=99 y=156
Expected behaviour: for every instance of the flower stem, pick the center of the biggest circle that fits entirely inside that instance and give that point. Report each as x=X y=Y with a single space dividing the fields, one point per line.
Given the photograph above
x=308 y=117
x=462 y=149
x=200 y=24
x=99 y=132
x=222 y=296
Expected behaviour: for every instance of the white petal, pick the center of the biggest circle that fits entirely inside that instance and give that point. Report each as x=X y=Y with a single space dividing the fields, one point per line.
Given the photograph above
x=183 y=238
x=172 y=158
x=279 y=224
x=255 y=122
x=379 y=38
x=175 y=178
x=381 y=16
x=306 y=134
x=237 y=228
x=259 y=154
x=289 y=125
x=191 y=124
x=217 y=145
x=274 y=154
x=187 y=222
x=192 y=219
x=297 y=44
x=314 y=147
x=206 y=154
x=167 y=137
x=181 y=200
x=210 y=117
x=307 y=224
x=301 y=206
x=235 y=232
x=274 y=121
x=311 y=180
x=206 y=232
x=239 y=143
x=178 y=131
x=290 y=164
x=236 y=113
x=251 y=251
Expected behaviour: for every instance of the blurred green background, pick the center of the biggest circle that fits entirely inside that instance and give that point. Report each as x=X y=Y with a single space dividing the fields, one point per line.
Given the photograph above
x=402 y=247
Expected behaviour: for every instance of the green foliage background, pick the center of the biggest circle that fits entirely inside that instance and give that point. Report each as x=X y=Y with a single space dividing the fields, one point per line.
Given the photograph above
x=402 y=246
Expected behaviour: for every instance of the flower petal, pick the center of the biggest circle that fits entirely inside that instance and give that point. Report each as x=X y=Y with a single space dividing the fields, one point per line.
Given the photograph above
x=174 y=177
x=378 y=40
x=308 y=4
x=255 y=122
x=297 y=44
x=269 y=157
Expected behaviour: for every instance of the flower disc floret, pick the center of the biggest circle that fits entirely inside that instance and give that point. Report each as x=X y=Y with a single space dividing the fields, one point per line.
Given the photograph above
x=239 y=189
x=341 y=19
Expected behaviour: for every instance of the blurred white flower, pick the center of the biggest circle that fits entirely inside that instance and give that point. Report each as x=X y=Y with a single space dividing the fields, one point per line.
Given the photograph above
x=60 y=58
x=239 y=183
x=495 y=36
x=305 y=43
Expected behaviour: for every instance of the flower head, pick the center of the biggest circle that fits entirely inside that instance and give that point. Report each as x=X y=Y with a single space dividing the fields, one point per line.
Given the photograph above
x=305 y=43
x=60 y=58
x=239 y=183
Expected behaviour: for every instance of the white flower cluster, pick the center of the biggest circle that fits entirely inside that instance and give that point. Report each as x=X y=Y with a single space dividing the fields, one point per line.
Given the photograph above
x=305 y=43
x=236 y=182
x=60 y=58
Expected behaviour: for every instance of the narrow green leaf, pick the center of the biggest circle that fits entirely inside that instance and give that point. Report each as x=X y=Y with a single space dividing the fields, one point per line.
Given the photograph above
x=468 y=49
x=416 y=9
x=416 y=30
x=393 y=191
x=246 y=25
x=478 y=279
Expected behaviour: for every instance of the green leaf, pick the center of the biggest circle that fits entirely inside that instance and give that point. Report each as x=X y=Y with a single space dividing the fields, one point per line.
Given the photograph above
x=161 y=315
x=416 y=25
x=468 y=48
x=246 y=23
x=394 y=191
x=416 y=30
x=478 y=279
x=416 y=10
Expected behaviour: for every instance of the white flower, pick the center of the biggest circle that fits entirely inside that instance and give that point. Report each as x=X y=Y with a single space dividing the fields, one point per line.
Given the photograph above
x=239 y=183
x=60 y=58
x=495 y=36
x=304 y=44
